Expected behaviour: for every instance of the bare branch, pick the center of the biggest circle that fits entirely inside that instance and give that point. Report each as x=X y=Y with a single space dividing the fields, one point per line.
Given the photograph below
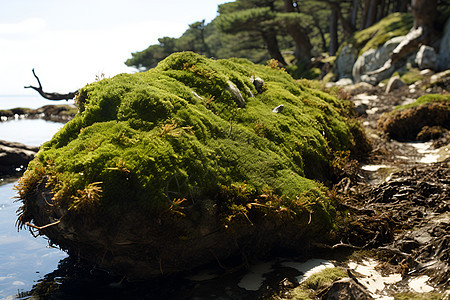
x=50 y=96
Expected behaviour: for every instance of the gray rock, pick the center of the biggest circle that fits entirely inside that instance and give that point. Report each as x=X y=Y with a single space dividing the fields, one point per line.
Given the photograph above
x=15 y=156
x=258 y=83
x=426 y=72
x=372 y=60
x=443 y=61
x=426 y=58
x=236 y=93
x=344 y=82
x=361 y=109
x=345 y=61
x=278 y=109
x=442 y=78
x=394 y=83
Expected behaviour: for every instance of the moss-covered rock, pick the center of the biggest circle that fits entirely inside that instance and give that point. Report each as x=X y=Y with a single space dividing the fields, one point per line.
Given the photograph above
x=427 y=117
x=396 y=24
x=165 y=170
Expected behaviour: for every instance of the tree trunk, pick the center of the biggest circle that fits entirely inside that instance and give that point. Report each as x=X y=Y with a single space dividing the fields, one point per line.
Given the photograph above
x=424 y=12
x=270 y=38
x=401 y=6
x=300 y=36
x=333 y=32
x=322 y=36
x=354 y=13
x=347 y=26
x=372 y=13
x=364 y=15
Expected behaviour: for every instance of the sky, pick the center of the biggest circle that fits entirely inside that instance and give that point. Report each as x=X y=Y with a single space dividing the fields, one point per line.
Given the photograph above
x=70 y=42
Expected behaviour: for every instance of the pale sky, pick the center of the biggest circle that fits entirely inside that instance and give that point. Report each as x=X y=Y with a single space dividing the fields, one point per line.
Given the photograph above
x=70 y=42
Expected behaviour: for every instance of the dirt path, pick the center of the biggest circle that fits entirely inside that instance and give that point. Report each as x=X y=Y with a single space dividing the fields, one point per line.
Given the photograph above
x=401 y=203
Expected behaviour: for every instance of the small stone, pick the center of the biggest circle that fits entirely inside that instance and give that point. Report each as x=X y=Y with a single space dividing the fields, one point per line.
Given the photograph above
x=394 y=83
x=258 y=83
x=426 y=72
x=233 y=89
x=278 y=109
x=361 y=109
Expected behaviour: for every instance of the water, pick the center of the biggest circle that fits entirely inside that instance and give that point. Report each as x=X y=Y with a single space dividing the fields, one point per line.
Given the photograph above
x=23 y=258
x=28 y=132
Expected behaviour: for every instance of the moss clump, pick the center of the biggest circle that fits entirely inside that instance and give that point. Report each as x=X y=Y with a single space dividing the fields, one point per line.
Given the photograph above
x=194 y=135
x=316 y=283
x=423 y=100
x=425 y=118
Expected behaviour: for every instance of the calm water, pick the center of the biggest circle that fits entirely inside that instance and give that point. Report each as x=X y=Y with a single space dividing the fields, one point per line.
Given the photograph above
x=23 y=259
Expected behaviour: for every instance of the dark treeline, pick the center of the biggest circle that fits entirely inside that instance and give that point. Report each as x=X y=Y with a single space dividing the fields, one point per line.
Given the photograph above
x=292 y=32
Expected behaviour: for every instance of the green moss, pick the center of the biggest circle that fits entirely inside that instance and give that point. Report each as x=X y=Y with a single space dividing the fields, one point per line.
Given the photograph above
x=419 y=296
x=316 y=282
x=411 y=76
x=429 y=98
x=396 y=24
x=153 y=140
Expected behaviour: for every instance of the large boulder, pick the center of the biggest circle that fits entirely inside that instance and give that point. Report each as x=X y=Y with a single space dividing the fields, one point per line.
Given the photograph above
x=372 y=60
x=166 y=170
x=443 y=62
x=345 y=61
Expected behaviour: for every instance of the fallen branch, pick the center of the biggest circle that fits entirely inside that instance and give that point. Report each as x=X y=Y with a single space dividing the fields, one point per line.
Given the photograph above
x=42 y=227
x=50 y=96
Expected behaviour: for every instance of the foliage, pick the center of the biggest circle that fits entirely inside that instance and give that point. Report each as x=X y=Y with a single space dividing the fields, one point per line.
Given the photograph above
x=176 y=135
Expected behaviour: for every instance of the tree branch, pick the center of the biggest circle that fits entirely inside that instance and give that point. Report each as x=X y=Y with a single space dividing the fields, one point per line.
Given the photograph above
x=50 y=96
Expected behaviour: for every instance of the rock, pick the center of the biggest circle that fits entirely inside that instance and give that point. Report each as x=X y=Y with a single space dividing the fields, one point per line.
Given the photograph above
x=372 y=60
x=344 y=82
x=233 y=89
x=14 y=156
x=426 y=72
x=345 y=61
x=361 y=109
x=278 y=109
x=258 y=83
x=441 y=79
x=394 y=83
x=346 y=288
x=443 y=61
x=426 y=58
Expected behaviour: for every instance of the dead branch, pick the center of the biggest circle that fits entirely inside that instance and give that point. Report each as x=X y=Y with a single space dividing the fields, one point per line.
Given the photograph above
x=51 y=96
x=42 y=227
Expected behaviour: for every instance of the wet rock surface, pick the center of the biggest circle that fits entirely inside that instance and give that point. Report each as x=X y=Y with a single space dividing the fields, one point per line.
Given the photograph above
x=14 y=157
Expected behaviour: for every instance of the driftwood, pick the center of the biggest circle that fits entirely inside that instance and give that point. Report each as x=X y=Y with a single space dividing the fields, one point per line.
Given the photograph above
x=51 y=96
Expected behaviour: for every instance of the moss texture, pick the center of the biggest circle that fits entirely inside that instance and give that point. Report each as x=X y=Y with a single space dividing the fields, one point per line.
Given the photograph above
x=394 y=25
x=195 y=132
x=426 y=118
